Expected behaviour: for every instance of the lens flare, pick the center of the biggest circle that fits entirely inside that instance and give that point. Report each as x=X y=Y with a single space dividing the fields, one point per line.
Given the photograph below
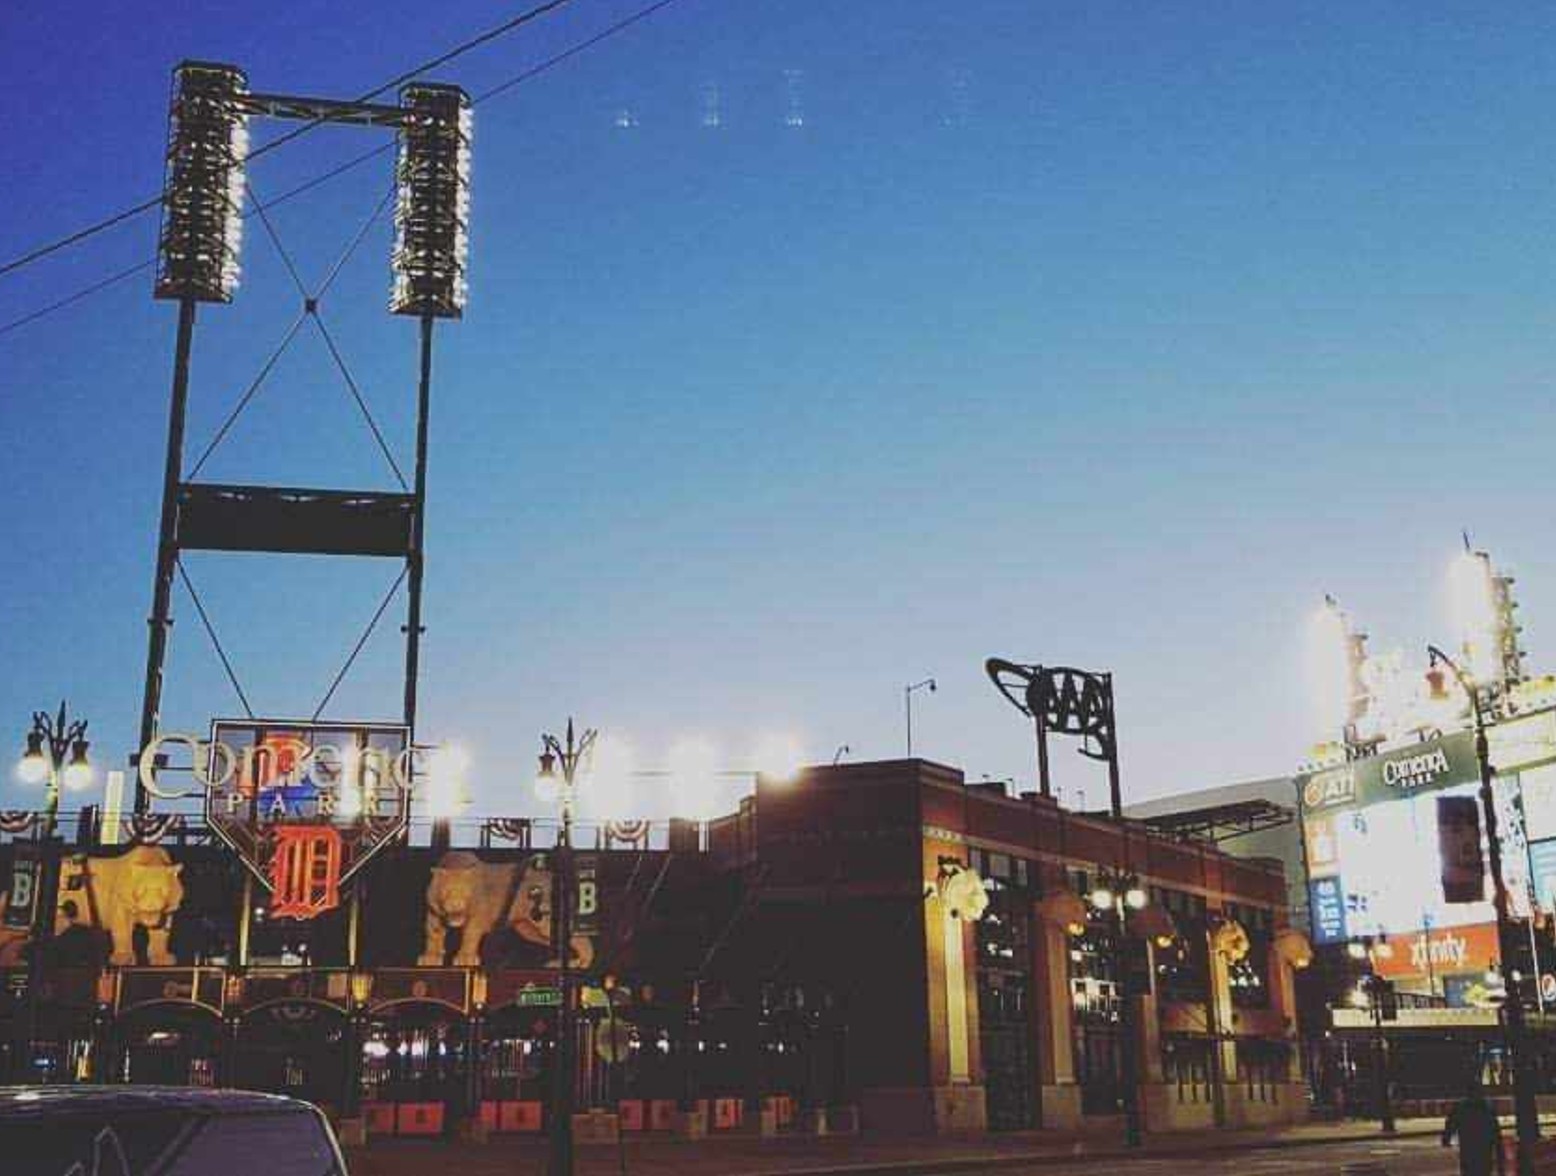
x=694 y=781
x=779 y=757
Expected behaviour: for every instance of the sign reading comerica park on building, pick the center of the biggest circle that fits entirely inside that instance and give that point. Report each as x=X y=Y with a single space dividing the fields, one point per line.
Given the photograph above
x=1395 y=842
x=304 y=805
x=1424 y=767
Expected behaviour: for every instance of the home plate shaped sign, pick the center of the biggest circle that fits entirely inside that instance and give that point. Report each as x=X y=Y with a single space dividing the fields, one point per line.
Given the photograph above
x=305 y=805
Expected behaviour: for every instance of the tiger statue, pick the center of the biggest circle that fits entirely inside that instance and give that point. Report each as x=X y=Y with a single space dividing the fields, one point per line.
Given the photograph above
x=477 y=898
x=139 y=888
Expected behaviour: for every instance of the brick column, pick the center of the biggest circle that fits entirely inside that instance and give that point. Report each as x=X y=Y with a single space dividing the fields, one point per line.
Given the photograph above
x=1227 y=1097
x=1054 y=1026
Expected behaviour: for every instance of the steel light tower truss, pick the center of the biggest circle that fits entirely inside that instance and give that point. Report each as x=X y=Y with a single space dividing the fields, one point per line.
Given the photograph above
x=199 y=262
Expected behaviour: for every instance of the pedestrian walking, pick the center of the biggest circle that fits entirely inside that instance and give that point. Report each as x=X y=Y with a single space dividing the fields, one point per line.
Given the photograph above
x=1473 y=1121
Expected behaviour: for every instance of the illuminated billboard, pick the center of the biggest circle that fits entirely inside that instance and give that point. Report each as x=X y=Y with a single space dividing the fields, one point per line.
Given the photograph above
x=305 y=805
x=1374 y=842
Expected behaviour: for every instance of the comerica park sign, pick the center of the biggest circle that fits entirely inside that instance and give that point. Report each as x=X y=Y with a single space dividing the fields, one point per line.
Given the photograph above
x=1443 y=763
x=304 y=805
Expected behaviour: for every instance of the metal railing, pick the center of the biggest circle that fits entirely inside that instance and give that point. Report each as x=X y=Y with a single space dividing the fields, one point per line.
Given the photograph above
x=84 y=829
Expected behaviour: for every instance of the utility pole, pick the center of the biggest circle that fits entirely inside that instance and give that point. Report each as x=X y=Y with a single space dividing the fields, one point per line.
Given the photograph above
x=1525 y=1110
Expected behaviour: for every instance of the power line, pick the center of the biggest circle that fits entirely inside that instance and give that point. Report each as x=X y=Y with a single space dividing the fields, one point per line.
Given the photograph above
x=92 y=230
x=464 y=47
x=475 y=42
x=621 y=25
x=72 y=299
x=324 y=177
x=140 y=267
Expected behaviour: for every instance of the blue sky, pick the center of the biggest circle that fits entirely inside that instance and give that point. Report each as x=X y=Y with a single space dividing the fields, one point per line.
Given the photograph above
x=1084 y=333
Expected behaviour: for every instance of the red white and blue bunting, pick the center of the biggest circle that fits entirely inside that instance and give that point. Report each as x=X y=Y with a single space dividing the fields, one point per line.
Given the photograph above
x=630 y=832
x=150 y=828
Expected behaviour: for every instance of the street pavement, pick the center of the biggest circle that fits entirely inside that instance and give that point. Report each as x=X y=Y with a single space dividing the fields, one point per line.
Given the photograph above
x=1306 y=1151
x=1404 y=1157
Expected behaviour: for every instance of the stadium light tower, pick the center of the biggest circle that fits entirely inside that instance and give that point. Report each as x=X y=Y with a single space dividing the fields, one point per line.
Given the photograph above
x=198 y=261
x=432 y=209
x=1483 y=615
x=431 y=250
x=202 y=209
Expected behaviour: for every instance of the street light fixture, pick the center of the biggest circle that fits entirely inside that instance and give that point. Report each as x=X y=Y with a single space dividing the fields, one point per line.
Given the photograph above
x=49 y=743
x=1374 y=993
x=33 y=767
x=78 y=772
x=1114 y=896
x=1524 y=1107
x=907 y=702
x=558 y=779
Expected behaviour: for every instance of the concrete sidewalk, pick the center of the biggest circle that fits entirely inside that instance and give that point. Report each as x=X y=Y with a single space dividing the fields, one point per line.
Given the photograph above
x=842 y=1156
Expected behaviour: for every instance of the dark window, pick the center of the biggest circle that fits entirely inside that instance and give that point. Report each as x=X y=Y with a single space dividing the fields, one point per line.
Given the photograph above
x=1250 y=977
x=1002 y=933
x=1183 y=970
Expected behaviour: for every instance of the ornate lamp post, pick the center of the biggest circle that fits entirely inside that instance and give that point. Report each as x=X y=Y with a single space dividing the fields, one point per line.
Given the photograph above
x=1115 y=896
x=1378 y=992
x=49 y=743
x=56 y=754
x=559 y=767
x=1524 y=1108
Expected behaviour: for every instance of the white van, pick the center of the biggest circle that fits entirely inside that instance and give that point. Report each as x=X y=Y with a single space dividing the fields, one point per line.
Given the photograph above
x=162 y=1131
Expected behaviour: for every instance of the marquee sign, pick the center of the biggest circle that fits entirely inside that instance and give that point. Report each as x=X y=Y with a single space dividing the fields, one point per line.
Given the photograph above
x=306 y=805
x=1441 y=952
x=1421 y=767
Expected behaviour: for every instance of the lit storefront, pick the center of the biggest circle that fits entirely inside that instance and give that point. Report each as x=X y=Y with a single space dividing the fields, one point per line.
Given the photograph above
x=1402 y=865
x=1376 y=832
x=873 y=943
